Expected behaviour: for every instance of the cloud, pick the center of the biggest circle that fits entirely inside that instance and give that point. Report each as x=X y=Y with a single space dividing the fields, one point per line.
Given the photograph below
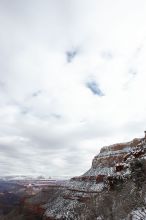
x=36 y=93
x=56 y=59
x=107 y=55
x=132 y=71
x=94 y=88
x=70 y=55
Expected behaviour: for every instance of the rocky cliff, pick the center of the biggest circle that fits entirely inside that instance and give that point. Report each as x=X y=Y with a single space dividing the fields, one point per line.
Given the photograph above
x=109 y=167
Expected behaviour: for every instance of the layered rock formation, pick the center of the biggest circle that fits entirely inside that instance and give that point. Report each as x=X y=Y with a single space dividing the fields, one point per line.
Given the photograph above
x=111 y=164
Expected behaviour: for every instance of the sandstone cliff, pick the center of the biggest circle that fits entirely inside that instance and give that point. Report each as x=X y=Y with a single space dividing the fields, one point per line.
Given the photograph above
x=109 y=167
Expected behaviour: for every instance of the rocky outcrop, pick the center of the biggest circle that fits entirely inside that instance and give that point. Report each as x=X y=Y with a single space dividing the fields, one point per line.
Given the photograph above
x=108 y=167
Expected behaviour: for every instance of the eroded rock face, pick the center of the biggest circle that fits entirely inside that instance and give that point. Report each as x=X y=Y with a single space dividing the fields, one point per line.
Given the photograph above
x=113 y=154
x=109 y=166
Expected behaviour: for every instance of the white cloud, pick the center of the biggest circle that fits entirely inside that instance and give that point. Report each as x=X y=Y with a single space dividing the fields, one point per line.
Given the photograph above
x=49 y=118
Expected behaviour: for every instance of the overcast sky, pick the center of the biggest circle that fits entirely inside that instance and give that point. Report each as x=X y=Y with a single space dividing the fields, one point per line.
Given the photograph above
x=72 y=79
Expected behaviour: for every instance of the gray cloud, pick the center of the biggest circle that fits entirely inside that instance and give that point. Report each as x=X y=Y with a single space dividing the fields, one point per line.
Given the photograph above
x=51 y=118
x=36 y=93
x=2 y=84
x=107 y=55
x=132 y=71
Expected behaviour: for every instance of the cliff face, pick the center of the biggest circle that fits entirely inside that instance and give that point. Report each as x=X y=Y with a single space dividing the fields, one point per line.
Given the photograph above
x=117 y=174
x=110 y=165
x=104 y=163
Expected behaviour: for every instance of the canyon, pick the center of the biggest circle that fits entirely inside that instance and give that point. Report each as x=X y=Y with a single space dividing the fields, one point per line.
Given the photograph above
x=110 y=167
x=117 y=173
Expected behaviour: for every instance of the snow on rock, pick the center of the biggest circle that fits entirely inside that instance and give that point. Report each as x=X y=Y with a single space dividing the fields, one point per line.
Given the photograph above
x=111 y=163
